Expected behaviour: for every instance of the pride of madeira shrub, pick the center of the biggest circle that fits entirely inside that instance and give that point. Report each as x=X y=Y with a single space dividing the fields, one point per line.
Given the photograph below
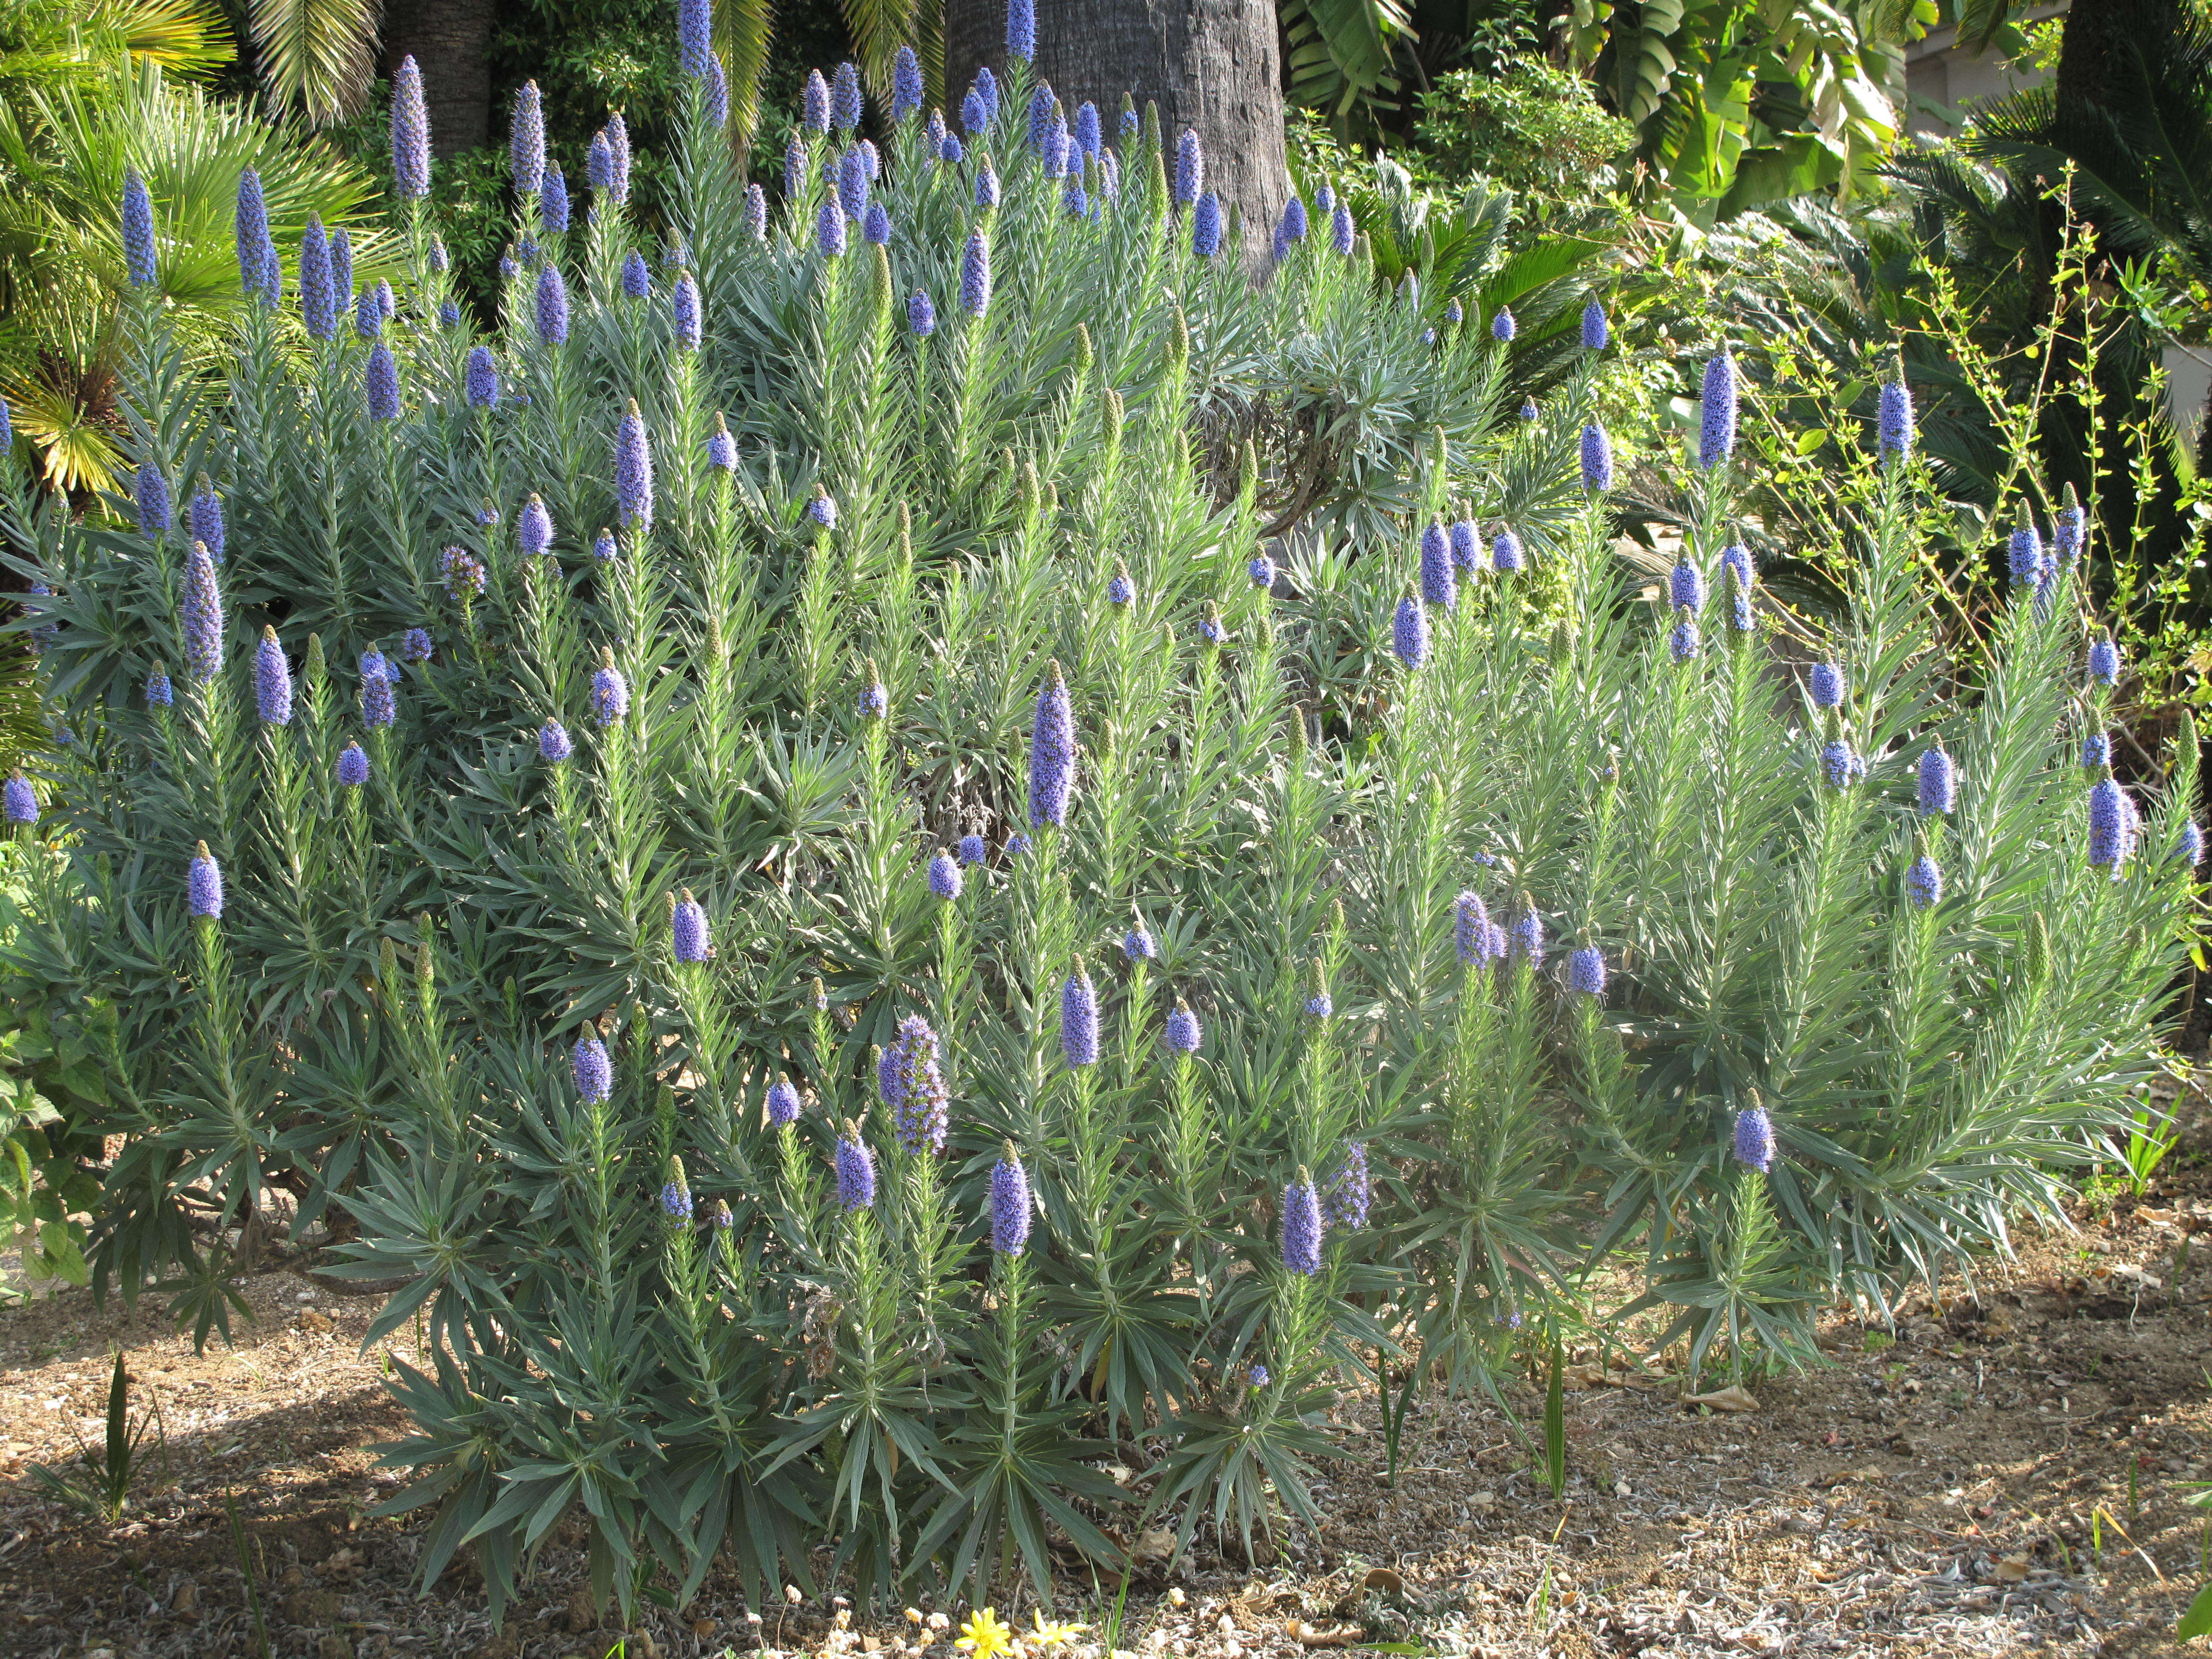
x=766 y=840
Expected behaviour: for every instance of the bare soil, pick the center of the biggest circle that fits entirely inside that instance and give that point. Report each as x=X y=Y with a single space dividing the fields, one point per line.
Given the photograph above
x=1960 y=1485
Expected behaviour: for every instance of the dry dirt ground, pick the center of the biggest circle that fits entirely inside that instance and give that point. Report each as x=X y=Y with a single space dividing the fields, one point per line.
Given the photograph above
x=1962 y=1485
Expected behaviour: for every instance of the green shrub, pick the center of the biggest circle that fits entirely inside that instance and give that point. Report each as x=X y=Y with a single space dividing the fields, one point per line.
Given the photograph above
x=1707 y=1019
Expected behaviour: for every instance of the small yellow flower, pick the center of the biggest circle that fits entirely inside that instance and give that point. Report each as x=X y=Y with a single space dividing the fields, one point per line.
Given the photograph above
x=984 y=1637
x=1054 y=1635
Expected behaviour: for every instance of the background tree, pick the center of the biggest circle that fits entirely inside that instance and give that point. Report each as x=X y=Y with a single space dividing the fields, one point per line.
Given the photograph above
x=1212 y=65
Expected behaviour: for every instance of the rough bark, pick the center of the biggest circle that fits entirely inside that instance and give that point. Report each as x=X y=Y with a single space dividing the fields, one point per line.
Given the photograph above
x=1212 y=65
x=449 y=41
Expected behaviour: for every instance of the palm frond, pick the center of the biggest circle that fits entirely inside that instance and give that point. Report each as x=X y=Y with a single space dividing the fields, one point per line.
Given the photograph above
x=743 y=30
x=321 y=53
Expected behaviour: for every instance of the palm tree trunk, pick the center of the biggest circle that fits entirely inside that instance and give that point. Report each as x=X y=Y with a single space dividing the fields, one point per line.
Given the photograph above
x=449 y=41
x=1212 y=65
x=2099 y=38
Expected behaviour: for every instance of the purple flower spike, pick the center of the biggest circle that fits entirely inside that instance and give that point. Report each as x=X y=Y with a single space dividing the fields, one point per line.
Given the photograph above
x=686 y=307
x=634 y=472
x=1502 y=327
x=973 y=849
x=1190 y=169
x=856 y=1172
x=482 y=379
x=782 y=1104
x=1010 y=1205
x=755 y=213
x=1439 y=585
x=945 y=878
x=845 y=98
x=1717 y=420
x=2024 y=555
x=1343 y=233
x=821 y=509
x=552 y=304
x=721 y=447
x=1465 y=546
x=1350 y=1192
x=1586 y=970
x=1021 y=29
x=353 y=766
x=410 y=132
x=906 y=86
x=202 y=617
x=875 y=225
x=1182 y=1033
x=1687 y=584
x=609 y=691
x=1290 y=229
x=853 y=184
x=2096 y=752
x=379 y=707
x=1838 y=765
x=381 y=381
x=814 y=103
x=256 y=254
x=1206 y=226
x=1078 y=1018
x=1754 y=1139
x=2105 y=660
x=636 y=277
x=157 y=507
x=525 y=144
x=463 y=574
x=203 y=517
x=203 y=884
x=1684 y=643
x=593 y=1072
x=1261 y=571
x=830 y=230
x=920 y=314
x=1828 y=685
x=554 y=745
x=1528 y=937
x=1506 y=553
x=1302 y=1227
x=694 y=34
x=604 y=549
x=1596 y=331
x=1923 y=883
x=1597 y=459
x=1052 y=752
x=1938 y=783
x=272 y=680
x=22 y=800
x=2110 y=815
x=319 y=303
x=1471 y=929
x=160 y=694
x=553 y=201
x=1139 y=945
x=912 y=1084
x=1893 y=424
x=533 y=532
x=1409 y=633
x=687 y=928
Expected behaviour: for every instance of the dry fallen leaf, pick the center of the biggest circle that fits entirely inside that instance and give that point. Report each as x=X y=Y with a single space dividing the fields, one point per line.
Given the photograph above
x=1314 y=1635
x=1734 y=1398
x=1381 y=1578
x=2010 y=1571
